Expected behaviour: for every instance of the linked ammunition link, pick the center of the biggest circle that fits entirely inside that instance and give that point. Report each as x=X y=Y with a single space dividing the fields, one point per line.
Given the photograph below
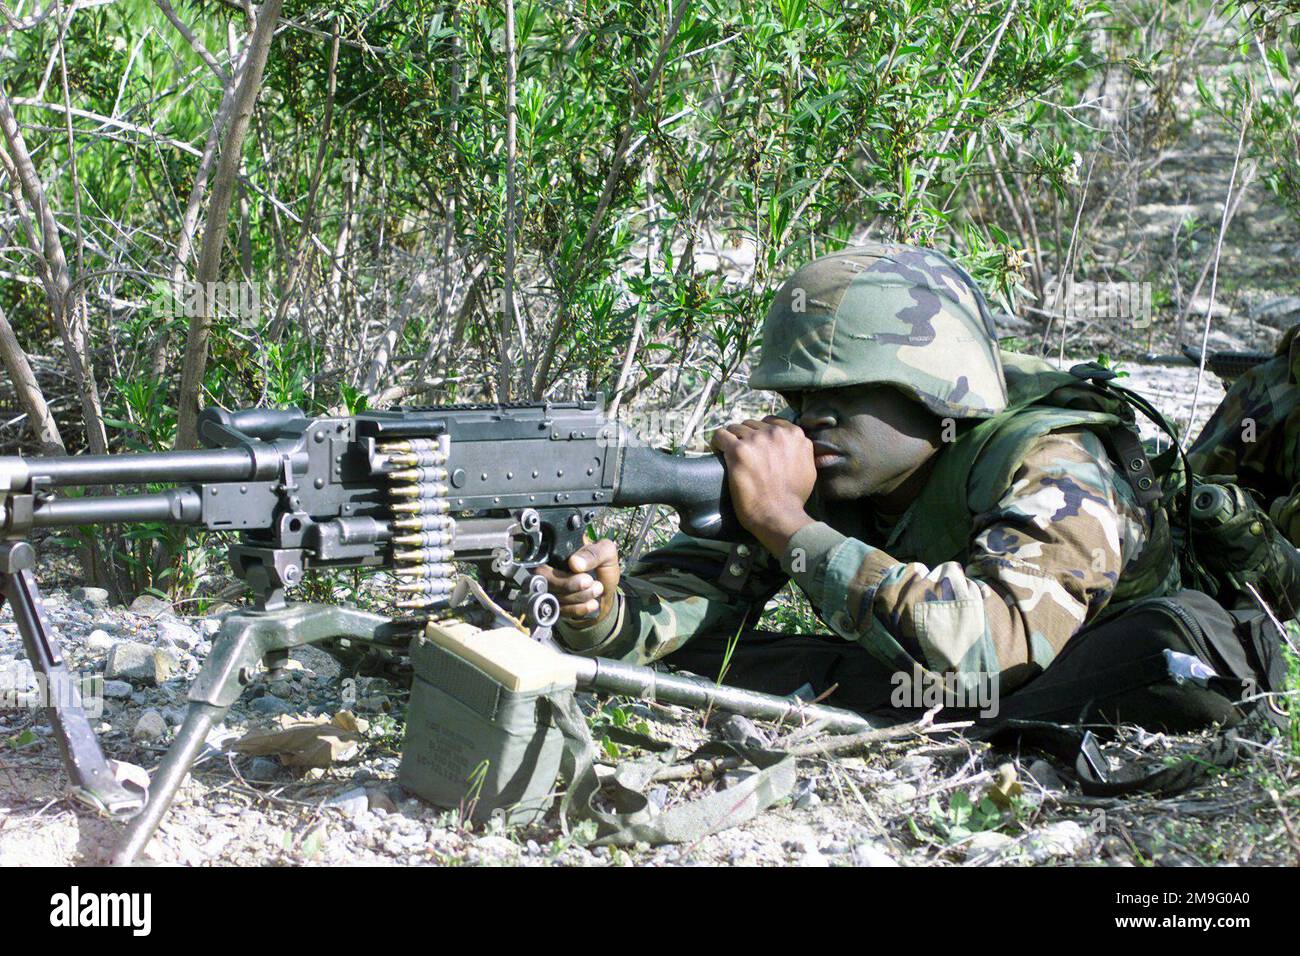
x=423 y=530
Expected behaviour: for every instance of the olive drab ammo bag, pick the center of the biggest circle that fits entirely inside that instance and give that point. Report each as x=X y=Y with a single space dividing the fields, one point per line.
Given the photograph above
x=494 y=728
x=480 y=730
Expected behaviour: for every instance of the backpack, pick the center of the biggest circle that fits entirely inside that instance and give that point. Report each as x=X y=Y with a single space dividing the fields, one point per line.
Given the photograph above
x=1164 y=657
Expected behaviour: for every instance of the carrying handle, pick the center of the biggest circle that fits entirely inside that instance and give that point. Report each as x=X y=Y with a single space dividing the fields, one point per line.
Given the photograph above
x=219 y=428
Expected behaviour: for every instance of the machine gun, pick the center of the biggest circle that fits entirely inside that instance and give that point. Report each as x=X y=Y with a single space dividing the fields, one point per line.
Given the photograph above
x=504 y=488
x=1227 y=365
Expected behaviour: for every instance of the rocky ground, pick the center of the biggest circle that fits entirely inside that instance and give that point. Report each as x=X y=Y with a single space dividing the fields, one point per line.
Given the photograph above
x=924 y=799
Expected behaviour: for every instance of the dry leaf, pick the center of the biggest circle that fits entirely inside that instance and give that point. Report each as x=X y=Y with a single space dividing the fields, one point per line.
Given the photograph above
x=1005 y=786
x=314 y=742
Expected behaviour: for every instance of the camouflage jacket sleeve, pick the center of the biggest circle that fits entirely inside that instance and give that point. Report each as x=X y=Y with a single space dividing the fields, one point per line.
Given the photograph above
x=674 y=593
x=1043 y=562
x=1254 y=434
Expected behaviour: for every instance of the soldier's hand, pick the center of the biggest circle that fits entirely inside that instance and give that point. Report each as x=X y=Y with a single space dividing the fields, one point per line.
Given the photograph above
x=771 y=474
x=588 y=590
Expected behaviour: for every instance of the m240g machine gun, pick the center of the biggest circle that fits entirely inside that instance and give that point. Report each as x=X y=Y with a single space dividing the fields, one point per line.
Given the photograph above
x=504 y=488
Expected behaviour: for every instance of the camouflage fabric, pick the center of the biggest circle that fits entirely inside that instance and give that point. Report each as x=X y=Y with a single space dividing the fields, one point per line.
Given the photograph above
x=1254 y=436
x=973 y=475
x=891 y=314
x=1041 y=563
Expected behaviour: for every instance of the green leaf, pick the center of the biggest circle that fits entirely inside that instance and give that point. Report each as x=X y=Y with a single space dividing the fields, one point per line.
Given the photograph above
x=27 y=738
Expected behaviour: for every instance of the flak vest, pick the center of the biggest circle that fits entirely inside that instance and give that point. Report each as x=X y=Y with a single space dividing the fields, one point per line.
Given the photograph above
x=974 y=472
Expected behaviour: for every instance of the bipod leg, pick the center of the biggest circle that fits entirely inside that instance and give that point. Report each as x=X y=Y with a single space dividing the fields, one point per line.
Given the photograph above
x=245 y=639
x=92 y=781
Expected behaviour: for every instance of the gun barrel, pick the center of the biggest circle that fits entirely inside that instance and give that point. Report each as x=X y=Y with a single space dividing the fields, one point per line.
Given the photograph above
x=175 y=506
x=222 y=464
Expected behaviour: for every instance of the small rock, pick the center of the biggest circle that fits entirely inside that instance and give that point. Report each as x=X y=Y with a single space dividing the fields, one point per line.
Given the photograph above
x=176 y=634
x=117 y=689
x=899 y=793
x=379 y=800
x=97 y=597
x=151 y=606
x=1045 y=775
x=871 y=854
x=271 y=705
x=209 y=626
x=741 y=730
x=1065 y=838
x=263 y=768
x=658 y=796
x=498 y=846
x=351 y=802
x=100 y=640
x=986 y=844
x=149 y=727
x=805 y=795
x=140 y=662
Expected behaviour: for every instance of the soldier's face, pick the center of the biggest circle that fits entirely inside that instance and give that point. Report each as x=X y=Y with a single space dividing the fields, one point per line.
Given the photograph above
x=867 y=439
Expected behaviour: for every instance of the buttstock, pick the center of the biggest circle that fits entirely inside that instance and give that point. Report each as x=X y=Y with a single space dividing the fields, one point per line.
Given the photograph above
x=695 y=486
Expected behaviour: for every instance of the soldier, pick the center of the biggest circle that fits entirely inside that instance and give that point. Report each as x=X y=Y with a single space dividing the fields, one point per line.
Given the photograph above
x=944 y=515
x=1253 y=438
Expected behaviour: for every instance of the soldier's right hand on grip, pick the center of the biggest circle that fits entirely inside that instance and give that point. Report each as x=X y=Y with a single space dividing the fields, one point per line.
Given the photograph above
x=588 y=591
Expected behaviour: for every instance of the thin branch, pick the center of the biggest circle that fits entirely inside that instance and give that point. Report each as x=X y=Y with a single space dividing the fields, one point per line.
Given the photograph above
x=28 y=390
x=508 y=283
x=71 y=324
x=195 y=44
x=214 y=230
x=639 y=99
x=1214 y=280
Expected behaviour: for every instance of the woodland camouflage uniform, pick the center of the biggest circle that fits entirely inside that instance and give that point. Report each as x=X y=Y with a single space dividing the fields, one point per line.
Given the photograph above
x=1025 y=532
x=1254 y=436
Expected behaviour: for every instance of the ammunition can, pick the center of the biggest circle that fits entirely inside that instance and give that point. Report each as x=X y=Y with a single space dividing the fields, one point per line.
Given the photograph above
x=480 y=735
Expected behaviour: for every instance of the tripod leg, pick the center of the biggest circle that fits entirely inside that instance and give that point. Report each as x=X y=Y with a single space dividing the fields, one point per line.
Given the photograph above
x=244 y=640
x=92 y=780
x=167 y=779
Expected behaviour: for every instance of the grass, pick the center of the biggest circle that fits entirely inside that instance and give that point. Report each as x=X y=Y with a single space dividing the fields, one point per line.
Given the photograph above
x=791 y=613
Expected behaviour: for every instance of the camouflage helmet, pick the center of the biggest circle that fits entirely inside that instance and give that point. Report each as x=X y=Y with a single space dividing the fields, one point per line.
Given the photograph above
x=889 y=314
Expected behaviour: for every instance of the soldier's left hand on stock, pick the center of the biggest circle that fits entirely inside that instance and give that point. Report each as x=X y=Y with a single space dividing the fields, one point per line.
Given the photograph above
x=771 y=474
